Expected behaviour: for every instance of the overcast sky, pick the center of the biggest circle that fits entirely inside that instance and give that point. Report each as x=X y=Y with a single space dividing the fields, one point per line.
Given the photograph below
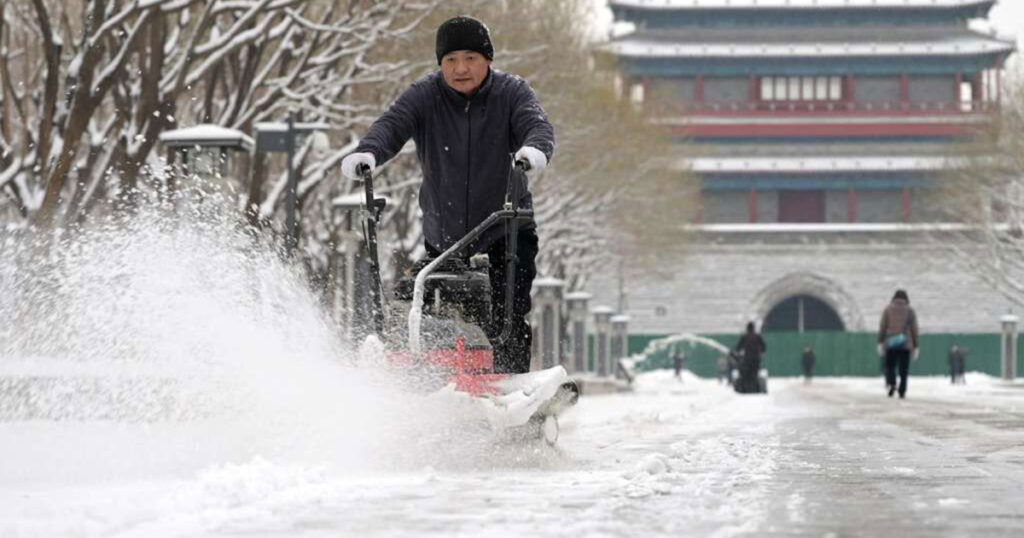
x=1008 y=19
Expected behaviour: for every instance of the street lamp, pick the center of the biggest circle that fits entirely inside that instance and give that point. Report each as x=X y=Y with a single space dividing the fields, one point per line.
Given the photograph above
x=283 y=137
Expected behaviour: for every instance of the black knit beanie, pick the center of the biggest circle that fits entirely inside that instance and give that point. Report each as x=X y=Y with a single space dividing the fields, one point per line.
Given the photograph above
x=463 y=33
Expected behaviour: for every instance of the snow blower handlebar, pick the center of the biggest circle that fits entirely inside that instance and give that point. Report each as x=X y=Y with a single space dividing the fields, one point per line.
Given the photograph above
x=511 y=215
x=371 y=217
x=512 y=195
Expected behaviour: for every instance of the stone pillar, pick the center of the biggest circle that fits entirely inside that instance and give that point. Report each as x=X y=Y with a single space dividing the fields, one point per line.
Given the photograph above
x=602 y=339
x=1009 y=346
x=547 y=311
x=620 y=341
x=576 y=303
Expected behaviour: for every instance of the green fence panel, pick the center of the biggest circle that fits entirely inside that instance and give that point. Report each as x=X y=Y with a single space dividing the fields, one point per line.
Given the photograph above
x=837 y=353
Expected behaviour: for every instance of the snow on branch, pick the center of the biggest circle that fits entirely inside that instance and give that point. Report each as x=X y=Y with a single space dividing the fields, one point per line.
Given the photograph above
x=221 y=42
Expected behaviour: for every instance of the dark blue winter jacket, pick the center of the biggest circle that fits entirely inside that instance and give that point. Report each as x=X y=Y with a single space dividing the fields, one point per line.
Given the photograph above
x=465 y=148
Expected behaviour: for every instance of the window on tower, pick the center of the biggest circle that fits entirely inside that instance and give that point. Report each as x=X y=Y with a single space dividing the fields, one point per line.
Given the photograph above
x=801 y=206
x=817 y=88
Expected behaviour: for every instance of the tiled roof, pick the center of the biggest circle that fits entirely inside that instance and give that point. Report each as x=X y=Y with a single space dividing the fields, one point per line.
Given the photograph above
x=795 y=4
x=808 y=42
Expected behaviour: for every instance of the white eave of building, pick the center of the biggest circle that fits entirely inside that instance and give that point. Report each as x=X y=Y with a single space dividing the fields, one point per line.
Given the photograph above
x=813 y=164
x=794 y=4
x=640 y=48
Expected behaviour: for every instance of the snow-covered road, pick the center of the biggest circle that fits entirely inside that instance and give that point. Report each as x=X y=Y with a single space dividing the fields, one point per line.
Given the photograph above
x=834 y=458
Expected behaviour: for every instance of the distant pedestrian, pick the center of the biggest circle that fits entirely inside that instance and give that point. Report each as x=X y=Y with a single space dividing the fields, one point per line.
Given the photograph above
x=807 y=360
x=750 y=347
x=963 y=365
x=957 y=358
x=897 y=341
x=678 y=360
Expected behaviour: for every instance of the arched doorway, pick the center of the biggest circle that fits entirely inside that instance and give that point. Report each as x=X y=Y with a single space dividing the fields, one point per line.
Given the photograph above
x=841 y=309
x=801 y=313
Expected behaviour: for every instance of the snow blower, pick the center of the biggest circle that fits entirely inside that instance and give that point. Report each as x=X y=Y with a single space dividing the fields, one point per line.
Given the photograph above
x=444 y=334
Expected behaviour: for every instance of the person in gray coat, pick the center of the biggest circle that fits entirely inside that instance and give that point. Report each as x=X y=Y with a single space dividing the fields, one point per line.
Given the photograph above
x=470 y=122
x=898 y=341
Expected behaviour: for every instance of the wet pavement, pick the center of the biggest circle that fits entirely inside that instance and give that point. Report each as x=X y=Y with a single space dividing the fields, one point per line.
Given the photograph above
x=835 y=458
x=856 y=463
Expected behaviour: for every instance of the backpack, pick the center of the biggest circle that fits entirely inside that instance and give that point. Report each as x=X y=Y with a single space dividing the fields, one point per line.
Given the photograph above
x=899 y=340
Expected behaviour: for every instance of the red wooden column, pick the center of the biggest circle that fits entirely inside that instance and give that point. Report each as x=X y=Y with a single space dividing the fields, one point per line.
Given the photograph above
x=959 y=81
x=999 y=84
x=849 y=90
x=752 y=205
x=752 y=89
x=851 y=205
x=906 y=205
x=698 y=89
x=977 y=91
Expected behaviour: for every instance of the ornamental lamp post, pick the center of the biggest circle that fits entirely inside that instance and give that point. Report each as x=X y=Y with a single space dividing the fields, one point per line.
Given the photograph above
x=346 y=210
x=602 y=338
x=283 y=137
x=576 y=303
x=204 y=149
x=548 y=308
x=619 y=341
x=1009 y=346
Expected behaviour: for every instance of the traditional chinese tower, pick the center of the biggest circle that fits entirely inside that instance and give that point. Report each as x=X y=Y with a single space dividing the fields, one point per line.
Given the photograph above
x=821 y=126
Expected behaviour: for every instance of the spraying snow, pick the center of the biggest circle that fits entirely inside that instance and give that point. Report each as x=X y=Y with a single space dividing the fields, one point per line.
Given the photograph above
x=176 y=342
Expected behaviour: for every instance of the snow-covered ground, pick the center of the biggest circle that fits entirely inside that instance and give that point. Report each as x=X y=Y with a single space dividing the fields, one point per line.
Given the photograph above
x=672 y=457
x=168 y=379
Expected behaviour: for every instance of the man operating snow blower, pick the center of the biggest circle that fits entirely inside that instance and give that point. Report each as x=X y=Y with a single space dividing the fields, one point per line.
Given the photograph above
x=470 y=123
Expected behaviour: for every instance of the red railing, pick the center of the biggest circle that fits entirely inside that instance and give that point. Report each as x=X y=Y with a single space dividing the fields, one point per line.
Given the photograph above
x=824 y=108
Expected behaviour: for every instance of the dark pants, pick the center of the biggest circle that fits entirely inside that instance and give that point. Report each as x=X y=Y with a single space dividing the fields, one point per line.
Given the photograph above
x=749 y=371
x=512 y=356
x=897 y=358
x=808 y=369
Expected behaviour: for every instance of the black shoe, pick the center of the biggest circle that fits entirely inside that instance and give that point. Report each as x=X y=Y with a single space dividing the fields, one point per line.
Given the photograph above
x=902 y=396
x=892 y=389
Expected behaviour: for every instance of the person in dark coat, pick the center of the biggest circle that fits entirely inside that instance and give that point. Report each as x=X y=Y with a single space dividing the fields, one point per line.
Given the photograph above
x=807 y=360
x=898 y=341
x=678 y=359
x=750 y=347
x=470 y=122
x=957 y=356
x=962 y=365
